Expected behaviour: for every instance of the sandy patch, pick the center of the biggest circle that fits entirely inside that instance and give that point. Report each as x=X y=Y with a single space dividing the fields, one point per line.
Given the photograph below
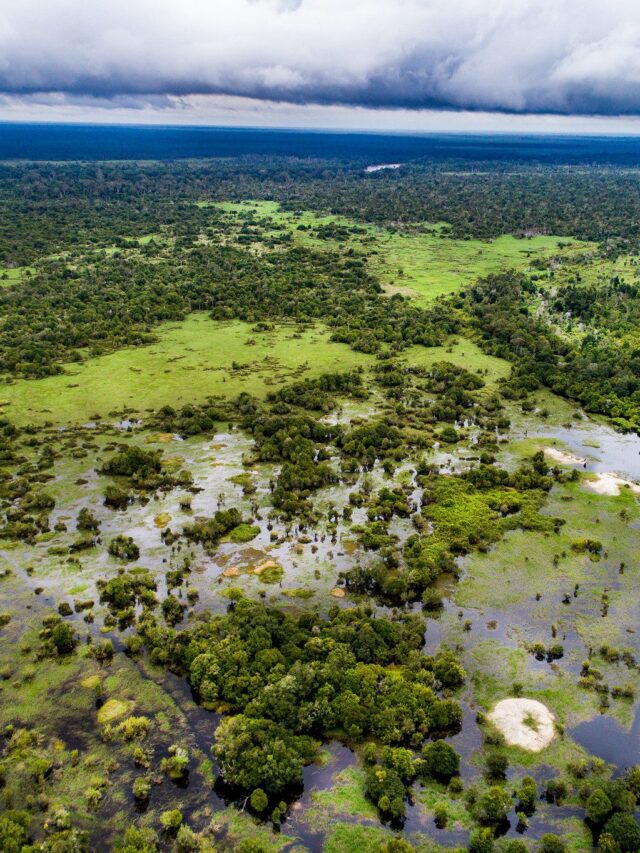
x=162 y=519
x=610 y=484
x=524 y=722
x=563 y=457
x=231 y=572
x=268 y=564
x=336 y=592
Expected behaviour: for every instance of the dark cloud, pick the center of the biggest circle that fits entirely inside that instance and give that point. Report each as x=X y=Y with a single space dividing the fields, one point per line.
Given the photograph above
x=551 y=56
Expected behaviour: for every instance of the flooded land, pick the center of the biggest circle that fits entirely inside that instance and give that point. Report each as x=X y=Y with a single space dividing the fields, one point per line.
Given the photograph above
x=324 y=538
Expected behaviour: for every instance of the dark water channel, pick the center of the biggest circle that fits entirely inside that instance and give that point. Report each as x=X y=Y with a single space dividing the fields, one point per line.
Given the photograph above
x=605 y=738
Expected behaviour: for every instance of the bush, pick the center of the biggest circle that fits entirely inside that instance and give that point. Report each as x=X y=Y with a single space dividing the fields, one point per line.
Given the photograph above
x=259 y=800
x=497 y=764
x=550 y=843
x=176 y=766
x=172 y=610
x=440 y=760
x=625 y=831
x=13 y=831
x=136 y=840
x=124 y=548
x=187 y=841
x=63 y=638
x=141 y=788
x=171 y=820
x=598 y=807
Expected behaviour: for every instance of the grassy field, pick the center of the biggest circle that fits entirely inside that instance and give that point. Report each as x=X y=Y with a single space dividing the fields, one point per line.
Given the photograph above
x=463 y=353
x=190 y=361
x=422 y=264
x=425 y=266
x=14 y=275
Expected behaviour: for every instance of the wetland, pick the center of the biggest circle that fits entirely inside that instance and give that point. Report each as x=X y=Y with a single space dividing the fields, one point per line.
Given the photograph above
x=319 y=524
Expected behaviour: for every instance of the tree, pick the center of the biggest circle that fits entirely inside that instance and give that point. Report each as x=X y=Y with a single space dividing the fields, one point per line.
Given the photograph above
x=497 y=764
x=527 y=794
x=598 y=807
x=481 y=840
x=494 y=805
x=625 y=831
x=385 y=788
x=441 y=760
x=257 y=753
x=607 y=843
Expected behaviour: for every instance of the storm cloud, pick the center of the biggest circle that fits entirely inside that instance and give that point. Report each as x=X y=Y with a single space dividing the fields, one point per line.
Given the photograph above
x=515 y=56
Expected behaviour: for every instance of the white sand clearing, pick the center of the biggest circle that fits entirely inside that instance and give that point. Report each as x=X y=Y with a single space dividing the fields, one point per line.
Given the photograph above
x=610 y=484
x=525 y=723
x=562 y=457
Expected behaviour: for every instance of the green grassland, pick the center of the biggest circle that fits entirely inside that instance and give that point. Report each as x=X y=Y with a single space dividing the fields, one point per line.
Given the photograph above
x=14 y=275
x=190 y=361
x=422 y=263
x=195 y=359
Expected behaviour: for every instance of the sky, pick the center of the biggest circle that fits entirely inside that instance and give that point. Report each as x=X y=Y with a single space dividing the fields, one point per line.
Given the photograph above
x=461 y=65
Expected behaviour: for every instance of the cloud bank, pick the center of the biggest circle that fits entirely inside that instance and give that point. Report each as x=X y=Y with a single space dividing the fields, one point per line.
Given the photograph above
x=571 y=57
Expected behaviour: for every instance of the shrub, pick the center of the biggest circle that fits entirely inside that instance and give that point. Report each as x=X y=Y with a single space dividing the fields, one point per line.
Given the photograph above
x=259 y=800
x=124 y=548
x=171 y=820
x=176 y=766
x=141 y=788
x=550 y=843
x=441 y=760
x=625 y=831
x=63 y=638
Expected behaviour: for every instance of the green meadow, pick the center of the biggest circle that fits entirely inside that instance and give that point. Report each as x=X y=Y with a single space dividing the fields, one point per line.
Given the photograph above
x=421 y=262
x=14 y=275
x=199 y=358
x=189 y=362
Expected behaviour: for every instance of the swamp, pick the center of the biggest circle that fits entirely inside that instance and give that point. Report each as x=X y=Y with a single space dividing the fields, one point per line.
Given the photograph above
x=319 y=507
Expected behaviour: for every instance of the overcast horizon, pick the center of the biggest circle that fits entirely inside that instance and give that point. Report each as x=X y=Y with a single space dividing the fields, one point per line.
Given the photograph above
x=565 y=67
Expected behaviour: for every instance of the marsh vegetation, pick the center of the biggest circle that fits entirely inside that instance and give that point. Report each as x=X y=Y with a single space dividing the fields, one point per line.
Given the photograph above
x=301 y=483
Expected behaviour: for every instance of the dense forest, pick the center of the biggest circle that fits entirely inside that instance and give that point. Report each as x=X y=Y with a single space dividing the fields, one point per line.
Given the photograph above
x=49 y=208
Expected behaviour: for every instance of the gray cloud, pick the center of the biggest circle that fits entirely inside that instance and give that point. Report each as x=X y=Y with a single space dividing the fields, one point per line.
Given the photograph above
x=520 y=56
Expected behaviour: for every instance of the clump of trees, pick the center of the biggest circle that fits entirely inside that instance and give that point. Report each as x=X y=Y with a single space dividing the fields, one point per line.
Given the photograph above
x=293 y=679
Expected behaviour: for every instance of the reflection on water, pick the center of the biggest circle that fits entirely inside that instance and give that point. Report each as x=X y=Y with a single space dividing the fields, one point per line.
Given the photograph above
x=603 y=448
x=607 y=739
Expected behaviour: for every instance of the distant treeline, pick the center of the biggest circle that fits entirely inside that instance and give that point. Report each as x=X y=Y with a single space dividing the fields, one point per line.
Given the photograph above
x=46 y=208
